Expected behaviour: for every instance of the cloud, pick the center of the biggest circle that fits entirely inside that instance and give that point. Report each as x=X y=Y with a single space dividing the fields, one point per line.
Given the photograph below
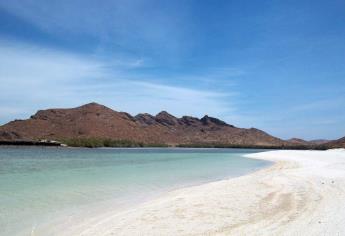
x=137 y=26
x=138 y=96
x=34 y=78
x=320 y=105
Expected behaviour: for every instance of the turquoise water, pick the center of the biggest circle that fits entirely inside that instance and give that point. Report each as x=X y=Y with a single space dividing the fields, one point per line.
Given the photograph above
x=39 y=185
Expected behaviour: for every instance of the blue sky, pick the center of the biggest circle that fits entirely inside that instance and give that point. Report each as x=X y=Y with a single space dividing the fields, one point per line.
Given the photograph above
x=274 y=65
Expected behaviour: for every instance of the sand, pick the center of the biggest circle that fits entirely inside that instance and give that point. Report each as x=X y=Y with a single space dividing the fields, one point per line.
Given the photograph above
x=303 y=193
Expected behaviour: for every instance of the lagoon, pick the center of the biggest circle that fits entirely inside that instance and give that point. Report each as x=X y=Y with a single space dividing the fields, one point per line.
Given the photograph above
x=44 y=186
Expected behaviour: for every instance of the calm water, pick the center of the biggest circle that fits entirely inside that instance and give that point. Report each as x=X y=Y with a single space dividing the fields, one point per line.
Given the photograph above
x=39 y=185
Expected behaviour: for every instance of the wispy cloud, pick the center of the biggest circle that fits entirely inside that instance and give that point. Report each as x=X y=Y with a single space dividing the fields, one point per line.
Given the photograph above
x=34 y=78
x=133 y=26
x=320 y=105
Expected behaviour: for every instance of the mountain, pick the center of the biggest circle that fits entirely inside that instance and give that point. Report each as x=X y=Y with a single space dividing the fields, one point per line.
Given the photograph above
x=299 y=141
x=100 y=122
x=319 y=141
x=339 y=143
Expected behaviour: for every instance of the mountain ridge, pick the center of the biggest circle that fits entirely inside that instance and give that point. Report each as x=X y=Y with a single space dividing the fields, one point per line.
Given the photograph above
x=338 y=143
x=94 y=120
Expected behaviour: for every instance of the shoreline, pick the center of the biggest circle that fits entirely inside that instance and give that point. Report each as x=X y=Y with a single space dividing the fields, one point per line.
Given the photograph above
x=95 y=143
x=302 y=193
x=102 y=210
x=61 y=145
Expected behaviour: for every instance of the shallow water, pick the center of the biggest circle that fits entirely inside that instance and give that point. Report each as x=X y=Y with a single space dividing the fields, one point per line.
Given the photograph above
x=38 y=185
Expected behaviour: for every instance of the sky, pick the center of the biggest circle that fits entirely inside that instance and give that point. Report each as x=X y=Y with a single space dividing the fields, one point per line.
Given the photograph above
x=275 y=65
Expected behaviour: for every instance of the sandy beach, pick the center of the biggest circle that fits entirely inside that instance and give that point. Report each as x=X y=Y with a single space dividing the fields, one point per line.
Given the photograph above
x=303 y=193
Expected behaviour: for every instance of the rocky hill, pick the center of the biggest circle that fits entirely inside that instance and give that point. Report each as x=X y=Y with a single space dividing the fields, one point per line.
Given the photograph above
x=319 y=141
x=97 y=121
x=339 y=143
x=299 y=141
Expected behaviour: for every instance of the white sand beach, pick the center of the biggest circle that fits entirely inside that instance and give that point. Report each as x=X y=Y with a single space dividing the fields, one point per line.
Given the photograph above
x=303 y=193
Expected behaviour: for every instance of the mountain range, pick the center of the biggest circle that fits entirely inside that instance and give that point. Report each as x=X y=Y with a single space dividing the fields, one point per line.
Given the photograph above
x=100 y=122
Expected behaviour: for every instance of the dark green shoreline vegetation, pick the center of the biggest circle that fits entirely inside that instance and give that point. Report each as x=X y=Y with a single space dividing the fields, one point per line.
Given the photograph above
x=31 y=143
x=106 y=142
x=99 y=142
x=220 y=145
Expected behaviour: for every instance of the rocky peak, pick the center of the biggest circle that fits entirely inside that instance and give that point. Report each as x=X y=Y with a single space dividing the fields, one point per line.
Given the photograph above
x=54 y=113
x=164 y=113
x=165 y=118
x=93 y=106
x=145 y=119
x=207 y=120
x=189 y=121
x=127 y=116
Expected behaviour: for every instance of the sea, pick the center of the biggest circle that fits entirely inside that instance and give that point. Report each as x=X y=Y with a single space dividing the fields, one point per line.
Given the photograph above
x=44 y=188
